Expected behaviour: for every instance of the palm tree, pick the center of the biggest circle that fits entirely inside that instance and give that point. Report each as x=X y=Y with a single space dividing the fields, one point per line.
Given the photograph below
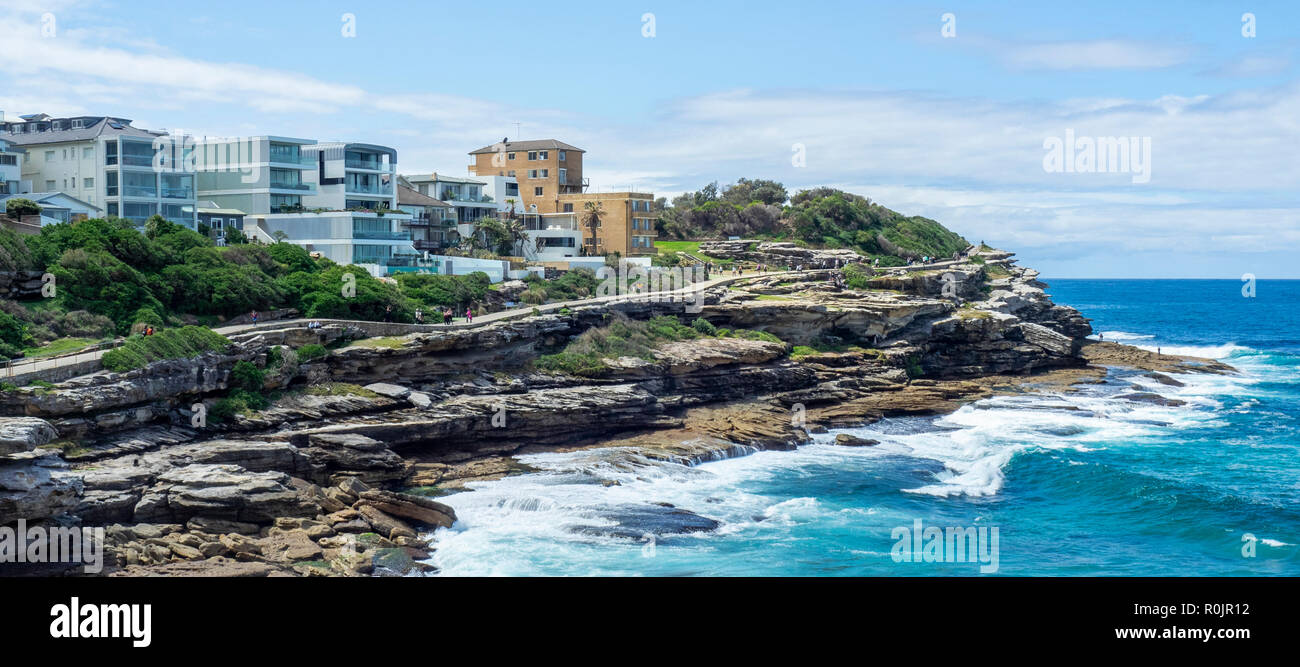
x=593 y=211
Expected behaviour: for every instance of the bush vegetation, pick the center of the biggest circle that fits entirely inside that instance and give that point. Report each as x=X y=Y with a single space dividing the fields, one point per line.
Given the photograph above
x=185 y=342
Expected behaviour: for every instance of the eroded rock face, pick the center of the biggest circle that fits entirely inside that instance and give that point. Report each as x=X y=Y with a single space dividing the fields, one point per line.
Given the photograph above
x=224 y=492
x=36 y=485
x=23 y=434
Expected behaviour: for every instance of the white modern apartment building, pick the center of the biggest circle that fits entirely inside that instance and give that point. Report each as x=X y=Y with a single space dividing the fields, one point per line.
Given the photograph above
x=126 y=171
x=335 y=199
x=255 y=174
x=504 y=192
x=552 y=237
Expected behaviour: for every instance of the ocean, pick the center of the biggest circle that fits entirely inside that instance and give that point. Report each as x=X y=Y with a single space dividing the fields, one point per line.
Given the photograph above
x=1070 y=484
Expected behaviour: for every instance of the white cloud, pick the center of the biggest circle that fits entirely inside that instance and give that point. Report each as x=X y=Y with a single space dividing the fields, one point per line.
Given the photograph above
x=1093 y=54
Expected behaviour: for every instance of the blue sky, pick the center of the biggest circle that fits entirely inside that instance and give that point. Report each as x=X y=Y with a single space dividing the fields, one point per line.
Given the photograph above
x=881 y=102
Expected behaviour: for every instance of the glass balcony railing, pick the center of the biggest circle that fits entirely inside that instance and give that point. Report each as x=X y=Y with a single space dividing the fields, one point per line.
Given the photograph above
x=366 y=164
x=135 y=191
x=177 y=193
x=289 y=158
x=290 y=186
x=382 y=189
x=137 y=160
x=381 y=236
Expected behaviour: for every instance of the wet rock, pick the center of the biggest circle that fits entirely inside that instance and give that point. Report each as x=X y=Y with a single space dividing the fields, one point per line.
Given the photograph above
x=846 y=440
x=635 y=521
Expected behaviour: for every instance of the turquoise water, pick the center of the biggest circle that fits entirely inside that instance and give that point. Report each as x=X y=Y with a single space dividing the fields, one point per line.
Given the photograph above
x=1075 y=484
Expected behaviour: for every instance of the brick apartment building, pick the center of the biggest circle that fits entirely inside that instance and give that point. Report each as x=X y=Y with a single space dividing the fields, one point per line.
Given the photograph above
x=549 y=173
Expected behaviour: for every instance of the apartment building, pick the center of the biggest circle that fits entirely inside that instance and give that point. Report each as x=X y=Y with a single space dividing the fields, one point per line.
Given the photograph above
x=544 y=169
x=466 y=196
x=129 y=172
x=432 y=224
x=626 y=223
x=11 y=168
x=263 y=174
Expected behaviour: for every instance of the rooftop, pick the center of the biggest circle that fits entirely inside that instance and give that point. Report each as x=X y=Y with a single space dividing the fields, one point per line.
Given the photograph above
x=39 y=129
x=412 y=197
x=435 y=177
x=532 y=145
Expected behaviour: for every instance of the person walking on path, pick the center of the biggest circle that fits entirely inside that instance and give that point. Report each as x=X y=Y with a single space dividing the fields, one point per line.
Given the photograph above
x=419 y=316
x=253 y=315
x=469 y=315
x=388 y=313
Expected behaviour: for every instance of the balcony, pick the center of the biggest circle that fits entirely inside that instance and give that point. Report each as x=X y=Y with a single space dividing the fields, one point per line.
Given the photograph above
x=177 y=193
x=289 y=186
x=432 y=246
x=136 y=191
x=296 y=160
x=381 y=236
x=382 y=189
x=367 y=165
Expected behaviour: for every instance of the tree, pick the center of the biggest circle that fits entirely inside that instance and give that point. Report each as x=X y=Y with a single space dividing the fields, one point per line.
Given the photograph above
x=18 y=207
x=593 y=211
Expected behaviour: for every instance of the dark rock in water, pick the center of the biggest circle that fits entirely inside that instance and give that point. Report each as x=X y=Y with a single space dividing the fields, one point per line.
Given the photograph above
x=635 y=521
x=1164 y=379
x=846 y=440
x=1156 y=399
x=816 y=428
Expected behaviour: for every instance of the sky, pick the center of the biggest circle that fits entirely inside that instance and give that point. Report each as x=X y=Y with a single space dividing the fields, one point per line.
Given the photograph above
x=981 y=115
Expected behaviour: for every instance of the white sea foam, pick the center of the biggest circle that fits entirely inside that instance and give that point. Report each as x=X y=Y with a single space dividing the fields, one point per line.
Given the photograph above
x=1205 y=351
x=1124 y=335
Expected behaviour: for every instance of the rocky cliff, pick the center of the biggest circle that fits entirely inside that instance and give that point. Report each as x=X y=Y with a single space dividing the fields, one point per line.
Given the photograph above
x=327 y=480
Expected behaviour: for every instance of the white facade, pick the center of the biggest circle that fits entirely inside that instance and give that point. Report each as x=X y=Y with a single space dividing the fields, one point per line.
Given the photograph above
x=552 y=237
x=504 y=192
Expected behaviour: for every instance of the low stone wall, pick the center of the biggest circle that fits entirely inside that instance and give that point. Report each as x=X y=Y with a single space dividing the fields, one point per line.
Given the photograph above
x=58 y=373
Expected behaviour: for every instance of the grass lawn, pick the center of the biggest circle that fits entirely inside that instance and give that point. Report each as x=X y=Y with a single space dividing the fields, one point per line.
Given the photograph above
x=690 y=247
x=59 y=346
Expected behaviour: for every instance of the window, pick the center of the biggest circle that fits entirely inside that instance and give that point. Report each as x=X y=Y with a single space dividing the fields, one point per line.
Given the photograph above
x=88 y=183
x=88 y=152
x=511 y=173
x=65 y=153
x=563 y=155
x=510 y=156
x=542 y=155
x=49 y=156
x=112 y=208
x=564 y=175
x=49 y=186
x=568 y=208
x=78 y=123
x=537 y=192
x=532 y=155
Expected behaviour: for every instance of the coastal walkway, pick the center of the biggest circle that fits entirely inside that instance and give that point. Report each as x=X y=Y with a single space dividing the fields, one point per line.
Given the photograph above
x=87 y=361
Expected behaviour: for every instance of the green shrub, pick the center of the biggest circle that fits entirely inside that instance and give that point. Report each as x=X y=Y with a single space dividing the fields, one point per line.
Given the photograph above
x=704 y=327
x=182 y=343
x=857 y=277
x=311 y=351
x=248 y=377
